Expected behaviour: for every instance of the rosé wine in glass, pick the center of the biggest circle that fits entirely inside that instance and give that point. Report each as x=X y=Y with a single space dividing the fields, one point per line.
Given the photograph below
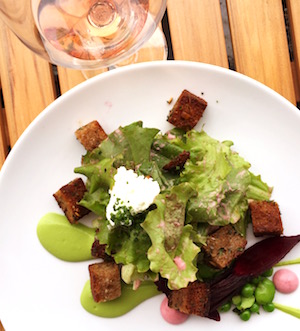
x=84 y=34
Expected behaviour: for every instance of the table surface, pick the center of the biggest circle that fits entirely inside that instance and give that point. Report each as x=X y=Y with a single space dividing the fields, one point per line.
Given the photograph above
x=259 y=38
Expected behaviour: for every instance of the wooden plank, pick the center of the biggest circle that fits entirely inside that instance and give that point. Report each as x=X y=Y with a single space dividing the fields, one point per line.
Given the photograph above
x=3 y=138
x=27 y=83
x=68 y=78
x=294 y=14
x=260 y=43
x=196 y=31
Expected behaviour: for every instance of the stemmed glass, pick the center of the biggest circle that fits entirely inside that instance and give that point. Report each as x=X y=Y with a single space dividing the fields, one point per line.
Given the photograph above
x=87 y=34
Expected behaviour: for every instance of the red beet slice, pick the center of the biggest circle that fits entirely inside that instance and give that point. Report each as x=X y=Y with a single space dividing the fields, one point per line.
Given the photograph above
x=253 y=262
x=264 y=255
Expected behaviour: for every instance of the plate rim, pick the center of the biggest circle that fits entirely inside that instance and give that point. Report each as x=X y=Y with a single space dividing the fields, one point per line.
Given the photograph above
x=139 y=67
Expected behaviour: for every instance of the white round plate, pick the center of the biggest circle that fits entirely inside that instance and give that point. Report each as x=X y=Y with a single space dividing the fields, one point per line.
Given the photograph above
x=39 y=292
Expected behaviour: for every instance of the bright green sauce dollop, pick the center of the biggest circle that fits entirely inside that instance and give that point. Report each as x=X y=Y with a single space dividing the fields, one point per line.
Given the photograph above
x=65 y=241
x=73 y=243
x=127 y=301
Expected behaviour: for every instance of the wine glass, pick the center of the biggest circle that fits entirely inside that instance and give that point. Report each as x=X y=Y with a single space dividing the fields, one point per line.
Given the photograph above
x=87 y=34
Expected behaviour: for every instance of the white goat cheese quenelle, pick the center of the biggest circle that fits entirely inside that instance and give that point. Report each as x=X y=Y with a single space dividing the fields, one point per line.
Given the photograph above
x=130 y=194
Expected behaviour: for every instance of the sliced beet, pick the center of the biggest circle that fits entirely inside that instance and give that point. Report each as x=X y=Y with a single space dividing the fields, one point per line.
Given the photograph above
x=253 y=262
x=264 y=255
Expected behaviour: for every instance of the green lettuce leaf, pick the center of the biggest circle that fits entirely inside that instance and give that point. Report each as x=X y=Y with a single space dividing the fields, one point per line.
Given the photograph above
x=222 y=179
x=129 y=146
x=99 y=181
x=98 y=175
x=173 y=252
x=128 y=245
x=165 y=179
x=258 y=190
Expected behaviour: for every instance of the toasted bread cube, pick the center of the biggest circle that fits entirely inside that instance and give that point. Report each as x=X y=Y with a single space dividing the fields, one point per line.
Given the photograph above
x=266 y=219
x=68 y=197
x=98 y=251
x=192 y=300
x=91 y=135
x=105 y=281
x=187 y=111
x=223 y=246
x=178 y=162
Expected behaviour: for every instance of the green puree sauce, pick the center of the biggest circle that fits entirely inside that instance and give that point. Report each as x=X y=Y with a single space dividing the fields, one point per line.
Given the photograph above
x=127 y=301
x=65 y=241
x=73 y=243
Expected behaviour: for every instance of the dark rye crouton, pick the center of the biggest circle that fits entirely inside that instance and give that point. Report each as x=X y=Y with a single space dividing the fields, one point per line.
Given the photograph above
x=91 y=135
x=223 y=246
x=98 y=251
x=191 y=300
x=105 y=281
x=68 y=197
x=187 y=111
x=178 y=162
x=266 y=219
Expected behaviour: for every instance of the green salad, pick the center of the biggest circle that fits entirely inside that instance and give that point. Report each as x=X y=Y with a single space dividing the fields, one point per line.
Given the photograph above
x=213 y=188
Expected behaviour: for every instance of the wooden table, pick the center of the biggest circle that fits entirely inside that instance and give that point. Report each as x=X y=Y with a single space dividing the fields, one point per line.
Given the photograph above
x=259 y=38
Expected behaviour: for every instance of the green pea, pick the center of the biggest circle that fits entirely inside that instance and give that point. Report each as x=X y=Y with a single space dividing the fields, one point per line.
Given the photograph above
x=269 y=307
x=265 y=291
x=236 y=300
x=246 y=303
x=225 y=307
x=268 y=273
x=247 y=291
x=256 y=280
x=254 y=308
x=245 y=315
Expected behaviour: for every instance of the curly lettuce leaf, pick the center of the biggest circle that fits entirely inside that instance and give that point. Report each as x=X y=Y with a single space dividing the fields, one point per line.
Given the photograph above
x=173 y=252
x=96 y=202
x=258 y=190
x=163 y=150
x=129 y=146
x=165 y=179
x=128 y=245
x=99 y=180
x=222 y=179
x=98 y=175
